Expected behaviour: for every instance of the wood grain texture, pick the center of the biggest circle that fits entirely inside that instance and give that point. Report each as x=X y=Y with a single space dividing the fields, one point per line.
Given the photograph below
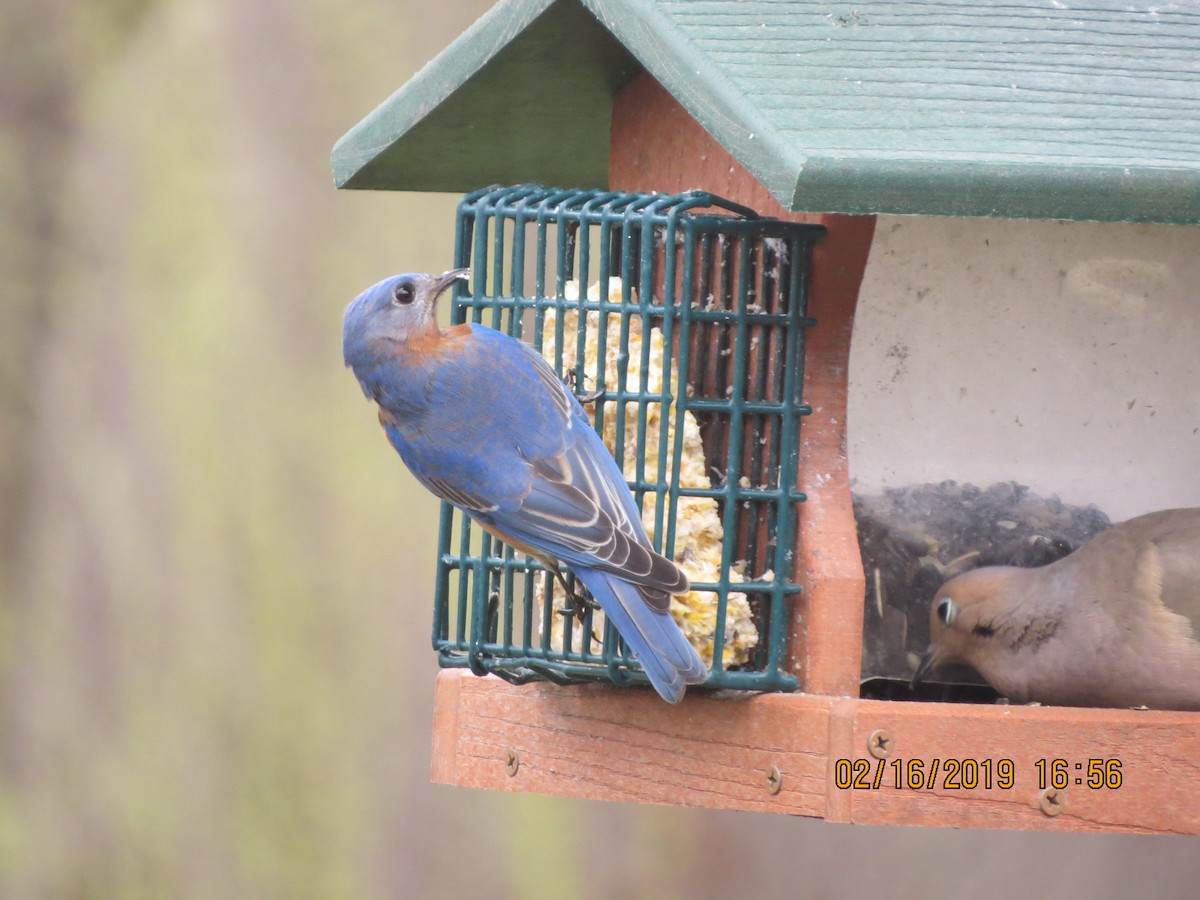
x=1032 y=109
x=657 y=145
x=1033 y=81
x=1159 y=754
x=828 y=626
x=603 y=743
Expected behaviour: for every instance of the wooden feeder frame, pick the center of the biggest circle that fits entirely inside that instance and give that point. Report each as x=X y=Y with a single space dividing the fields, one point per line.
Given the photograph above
x=821 y=752
x=781 y=752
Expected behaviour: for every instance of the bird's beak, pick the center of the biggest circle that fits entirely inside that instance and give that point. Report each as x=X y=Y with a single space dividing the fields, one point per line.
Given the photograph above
x=443 y=281
x=927 y=665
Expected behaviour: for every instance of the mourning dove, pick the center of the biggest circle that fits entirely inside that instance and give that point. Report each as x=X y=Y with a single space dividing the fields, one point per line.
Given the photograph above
x=1113 y=624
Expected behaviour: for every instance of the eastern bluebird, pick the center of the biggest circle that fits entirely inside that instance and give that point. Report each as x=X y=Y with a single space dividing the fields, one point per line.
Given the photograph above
x=483 y=422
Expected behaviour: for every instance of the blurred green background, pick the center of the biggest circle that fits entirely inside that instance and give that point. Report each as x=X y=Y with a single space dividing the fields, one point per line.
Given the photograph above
x=215 y=674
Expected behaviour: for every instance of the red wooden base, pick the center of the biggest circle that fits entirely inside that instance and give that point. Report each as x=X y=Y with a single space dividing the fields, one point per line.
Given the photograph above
x=780 y=752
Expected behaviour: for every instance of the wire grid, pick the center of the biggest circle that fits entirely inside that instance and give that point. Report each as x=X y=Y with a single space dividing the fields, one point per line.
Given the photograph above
x=727 y=289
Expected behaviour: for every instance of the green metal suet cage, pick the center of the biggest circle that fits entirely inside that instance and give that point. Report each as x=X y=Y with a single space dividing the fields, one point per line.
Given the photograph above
x=681 y=316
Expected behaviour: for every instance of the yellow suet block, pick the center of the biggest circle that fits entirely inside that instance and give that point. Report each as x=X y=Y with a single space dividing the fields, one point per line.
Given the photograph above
x=698 y=531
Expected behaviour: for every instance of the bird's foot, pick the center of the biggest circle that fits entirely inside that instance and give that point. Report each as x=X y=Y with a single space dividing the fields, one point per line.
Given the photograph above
x=578 y=602
x=577 y=606
x=571 y=379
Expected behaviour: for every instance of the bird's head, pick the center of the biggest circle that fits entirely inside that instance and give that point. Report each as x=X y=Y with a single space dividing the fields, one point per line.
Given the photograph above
x=392 y=311
x=968 y=618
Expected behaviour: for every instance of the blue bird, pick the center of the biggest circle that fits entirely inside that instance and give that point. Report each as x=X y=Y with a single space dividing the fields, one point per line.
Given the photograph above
x=483 y=422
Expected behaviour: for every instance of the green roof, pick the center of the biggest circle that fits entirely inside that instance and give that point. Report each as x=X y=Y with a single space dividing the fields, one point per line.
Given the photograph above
x=1028 y=109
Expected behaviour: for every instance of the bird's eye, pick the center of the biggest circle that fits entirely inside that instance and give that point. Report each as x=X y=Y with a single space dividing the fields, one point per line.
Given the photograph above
x=947 y=610
x=403 y=293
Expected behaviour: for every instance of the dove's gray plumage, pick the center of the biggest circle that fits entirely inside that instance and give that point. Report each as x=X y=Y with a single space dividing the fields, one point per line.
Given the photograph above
x=1113 y=624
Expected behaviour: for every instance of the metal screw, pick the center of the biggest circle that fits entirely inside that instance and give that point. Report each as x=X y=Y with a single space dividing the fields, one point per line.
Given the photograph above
x=1052 y=801
x=512 y=762
x=879 y=744
x=774 y=780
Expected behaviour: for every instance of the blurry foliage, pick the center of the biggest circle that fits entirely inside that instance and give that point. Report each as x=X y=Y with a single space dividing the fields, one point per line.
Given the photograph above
x=215 y=657
x=215 y=673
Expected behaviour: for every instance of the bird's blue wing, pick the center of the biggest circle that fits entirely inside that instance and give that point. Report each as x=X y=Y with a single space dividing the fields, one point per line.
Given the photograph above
x=507 y=442
x=579 y=510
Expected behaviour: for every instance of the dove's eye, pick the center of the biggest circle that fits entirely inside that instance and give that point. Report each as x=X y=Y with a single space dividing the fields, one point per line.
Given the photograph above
x=403 y=294
x=947 y=610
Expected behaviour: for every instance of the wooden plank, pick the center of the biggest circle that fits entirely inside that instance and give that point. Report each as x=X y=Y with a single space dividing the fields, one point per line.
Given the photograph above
x=658 y=146
x=828 y=623
x=603 y=743
x=715 y=751
x=838 y=807
x=1158 y=752
x=444 y=754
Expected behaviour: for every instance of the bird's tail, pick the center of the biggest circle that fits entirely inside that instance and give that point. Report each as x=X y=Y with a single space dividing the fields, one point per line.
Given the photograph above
x=667 y=657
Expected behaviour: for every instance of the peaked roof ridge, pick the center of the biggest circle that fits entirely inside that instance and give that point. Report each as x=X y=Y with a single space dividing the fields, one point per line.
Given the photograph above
x=433 y=84
x=704 y=90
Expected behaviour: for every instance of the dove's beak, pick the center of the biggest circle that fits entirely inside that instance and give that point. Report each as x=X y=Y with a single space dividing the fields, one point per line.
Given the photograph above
x=926 y=666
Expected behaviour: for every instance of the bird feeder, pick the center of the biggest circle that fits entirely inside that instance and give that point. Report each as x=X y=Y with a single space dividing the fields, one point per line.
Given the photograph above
x=777 y=113
x=694 y=327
